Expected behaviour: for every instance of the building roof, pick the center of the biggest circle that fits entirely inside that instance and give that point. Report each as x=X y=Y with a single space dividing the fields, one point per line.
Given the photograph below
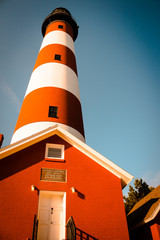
x=57 y=130
x=145 y=210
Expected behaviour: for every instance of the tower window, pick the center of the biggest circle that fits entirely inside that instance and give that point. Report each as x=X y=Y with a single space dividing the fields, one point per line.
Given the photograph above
x=53 y=111
x=57 y=57
x=60 y=26
x=54 y=151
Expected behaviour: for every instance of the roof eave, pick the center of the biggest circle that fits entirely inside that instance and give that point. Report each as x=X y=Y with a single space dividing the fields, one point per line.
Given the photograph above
x=147 y=220
x=83 y=147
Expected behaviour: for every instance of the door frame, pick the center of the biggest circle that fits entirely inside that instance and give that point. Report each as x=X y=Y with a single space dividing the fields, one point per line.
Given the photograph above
x=55 y=193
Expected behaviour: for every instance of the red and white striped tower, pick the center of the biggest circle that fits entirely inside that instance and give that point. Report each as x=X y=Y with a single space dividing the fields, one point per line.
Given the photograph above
x=52 y=96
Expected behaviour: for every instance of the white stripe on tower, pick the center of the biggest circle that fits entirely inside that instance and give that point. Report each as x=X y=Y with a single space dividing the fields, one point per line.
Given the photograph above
x=52 y=96
x=58 y=37
x=67 y=78
x=39 y=126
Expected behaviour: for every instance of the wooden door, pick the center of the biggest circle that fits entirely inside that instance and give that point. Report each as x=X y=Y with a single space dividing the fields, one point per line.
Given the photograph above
x=50 y=217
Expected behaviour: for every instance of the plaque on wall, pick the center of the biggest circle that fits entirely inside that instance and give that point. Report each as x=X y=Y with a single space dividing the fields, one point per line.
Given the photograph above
x=53 y=175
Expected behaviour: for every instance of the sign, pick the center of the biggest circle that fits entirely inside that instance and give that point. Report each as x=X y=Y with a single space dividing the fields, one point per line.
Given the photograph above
x=53 y=175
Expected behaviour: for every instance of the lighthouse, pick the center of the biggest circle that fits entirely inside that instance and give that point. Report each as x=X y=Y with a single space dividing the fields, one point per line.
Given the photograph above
x=51 y=181
x=52 y=96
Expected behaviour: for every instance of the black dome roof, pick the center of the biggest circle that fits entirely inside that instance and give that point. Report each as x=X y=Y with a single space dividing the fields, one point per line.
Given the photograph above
x=61 y=14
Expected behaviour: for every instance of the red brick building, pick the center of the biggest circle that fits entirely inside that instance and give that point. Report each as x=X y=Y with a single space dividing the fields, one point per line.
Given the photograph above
x=96 y=205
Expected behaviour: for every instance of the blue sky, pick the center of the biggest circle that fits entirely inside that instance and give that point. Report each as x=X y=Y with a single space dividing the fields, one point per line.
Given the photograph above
x=118 y=60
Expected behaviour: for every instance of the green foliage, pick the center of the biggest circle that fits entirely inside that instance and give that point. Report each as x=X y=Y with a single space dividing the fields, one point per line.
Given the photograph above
x=136 y=193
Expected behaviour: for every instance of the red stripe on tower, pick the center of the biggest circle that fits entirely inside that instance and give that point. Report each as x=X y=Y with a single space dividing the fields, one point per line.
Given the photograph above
x=52 y=96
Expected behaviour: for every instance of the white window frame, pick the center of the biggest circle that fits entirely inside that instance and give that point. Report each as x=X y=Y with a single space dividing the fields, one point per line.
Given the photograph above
x=49 y=145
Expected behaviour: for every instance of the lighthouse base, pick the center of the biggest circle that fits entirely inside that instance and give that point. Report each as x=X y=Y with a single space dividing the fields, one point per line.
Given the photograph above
x=36 y=127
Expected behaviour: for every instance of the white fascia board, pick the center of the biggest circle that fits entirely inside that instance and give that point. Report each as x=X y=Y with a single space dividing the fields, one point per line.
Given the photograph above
x=81 y=146
x=97 y=157
x=26 y=142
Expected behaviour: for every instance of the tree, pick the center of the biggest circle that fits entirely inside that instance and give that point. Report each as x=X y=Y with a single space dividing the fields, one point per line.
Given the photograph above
x=136 y=193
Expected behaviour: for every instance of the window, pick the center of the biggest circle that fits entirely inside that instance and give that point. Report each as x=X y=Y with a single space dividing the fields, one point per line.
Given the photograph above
x=53 y=112
x=60 y=26
x=54 y=151
x=57 y=57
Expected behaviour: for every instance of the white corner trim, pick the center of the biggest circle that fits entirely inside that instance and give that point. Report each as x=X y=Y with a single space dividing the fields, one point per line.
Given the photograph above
x=154 y=214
